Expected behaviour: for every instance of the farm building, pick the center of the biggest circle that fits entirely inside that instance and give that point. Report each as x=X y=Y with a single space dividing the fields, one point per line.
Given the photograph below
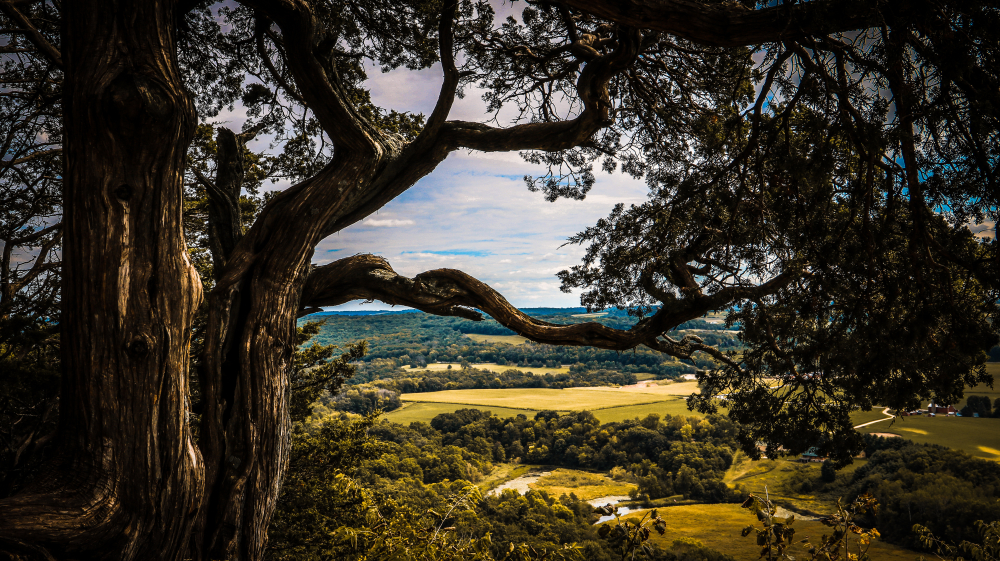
x=936 y=409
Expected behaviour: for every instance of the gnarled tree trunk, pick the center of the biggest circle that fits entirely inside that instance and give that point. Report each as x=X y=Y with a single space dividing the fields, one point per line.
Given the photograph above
x=128 y=479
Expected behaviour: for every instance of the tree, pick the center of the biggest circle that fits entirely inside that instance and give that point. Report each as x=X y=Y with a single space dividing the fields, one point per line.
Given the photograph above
x=820 y=194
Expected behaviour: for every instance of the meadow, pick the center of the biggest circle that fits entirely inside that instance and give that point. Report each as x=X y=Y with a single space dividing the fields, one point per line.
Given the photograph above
x=424 y=412
x=978 y=437
x=609 y=404
x=585 y=485
x=718 y=527
x=569 y=399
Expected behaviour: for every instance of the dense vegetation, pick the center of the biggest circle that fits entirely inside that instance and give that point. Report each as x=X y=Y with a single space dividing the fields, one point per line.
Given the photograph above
x=343 y=467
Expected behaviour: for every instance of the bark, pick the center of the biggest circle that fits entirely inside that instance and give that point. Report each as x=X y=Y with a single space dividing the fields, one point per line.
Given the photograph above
x=127 y=478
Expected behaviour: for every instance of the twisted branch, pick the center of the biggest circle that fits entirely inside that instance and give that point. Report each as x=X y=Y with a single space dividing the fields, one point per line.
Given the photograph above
x=449 y=292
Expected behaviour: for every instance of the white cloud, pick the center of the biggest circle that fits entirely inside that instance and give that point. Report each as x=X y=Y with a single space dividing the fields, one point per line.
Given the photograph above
x=387 y=222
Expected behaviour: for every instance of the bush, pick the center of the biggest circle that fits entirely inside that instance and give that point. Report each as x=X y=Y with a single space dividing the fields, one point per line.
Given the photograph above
x=828 y=473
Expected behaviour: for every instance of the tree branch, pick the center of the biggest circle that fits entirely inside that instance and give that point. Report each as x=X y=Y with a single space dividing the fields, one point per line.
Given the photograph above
x=592 y=87
x=321 y=93
x=448 y=292
x=730 y=24
x=32 y=33
x=446 y=41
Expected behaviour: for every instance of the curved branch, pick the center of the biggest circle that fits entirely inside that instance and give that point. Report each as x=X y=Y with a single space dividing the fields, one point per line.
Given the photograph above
x=449 y=292
x=593 y=89
x=730 y=24
x=446 y=40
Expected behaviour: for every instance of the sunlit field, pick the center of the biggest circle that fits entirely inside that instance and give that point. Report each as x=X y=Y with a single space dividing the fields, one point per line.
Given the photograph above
x=718 y=527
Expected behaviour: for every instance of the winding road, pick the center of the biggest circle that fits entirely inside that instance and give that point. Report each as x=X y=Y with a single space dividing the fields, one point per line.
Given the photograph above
x=884 y=412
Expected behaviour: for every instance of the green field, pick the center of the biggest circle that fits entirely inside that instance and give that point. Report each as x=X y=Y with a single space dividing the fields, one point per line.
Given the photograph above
x=569 y=399
x=979 y=437
x=509 y=339
x=718 y=527
x=676 y=406
x=491 y=366
x=424 y=412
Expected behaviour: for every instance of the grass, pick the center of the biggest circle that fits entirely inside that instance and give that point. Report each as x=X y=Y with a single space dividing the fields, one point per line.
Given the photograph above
x=781 y=480
x=569 y=399
x=584 y=484
x=676 y=406
x=718 y=527
x=501 y=474
x=424 y=412
x=979 y=437
x=509 y=339
x=861 y=417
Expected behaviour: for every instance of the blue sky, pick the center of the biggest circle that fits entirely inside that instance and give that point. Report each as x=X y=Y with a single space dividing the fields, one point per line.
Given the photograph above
x=475 y=213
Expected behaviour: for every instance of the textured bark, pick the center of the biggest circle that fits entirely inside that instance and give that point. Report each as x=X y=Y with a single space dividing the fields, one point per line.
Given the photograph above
x=127 y=479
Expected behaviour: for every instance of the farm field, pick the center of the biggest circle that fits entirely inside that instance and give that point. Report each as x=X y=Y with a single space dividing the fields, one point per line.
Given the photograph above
x=676 y=406
x=424 y=412
x=491 y=366
x=979 y=437
x=718 y=527
x=609 y=404
x=569 y=399
x=509 y=339
x=665 y=389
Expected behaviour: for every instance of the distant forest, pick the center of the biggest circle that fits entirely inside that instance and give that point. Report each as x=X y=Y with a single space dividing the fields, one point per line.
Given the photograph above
x=418 y=338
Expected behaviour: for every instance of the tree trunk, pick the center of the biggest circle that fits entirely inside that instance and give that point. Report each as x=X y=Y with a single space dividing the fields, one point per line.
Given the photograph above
x=128 y=479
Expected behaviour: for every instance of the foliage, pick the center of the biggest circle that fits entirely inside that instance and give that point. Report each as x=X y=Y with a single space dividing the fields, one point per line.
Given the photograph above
x=424 y=338
x=475 y=378
x=941 y=489
x=977 y=406
x=776 y=534
x=628 y=537
x=828 y=473
x=988 y=548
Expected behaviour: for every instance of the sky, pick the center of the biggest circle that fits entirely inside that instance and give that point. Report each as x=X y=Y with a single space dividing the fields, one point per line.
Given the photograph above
x=474 y=212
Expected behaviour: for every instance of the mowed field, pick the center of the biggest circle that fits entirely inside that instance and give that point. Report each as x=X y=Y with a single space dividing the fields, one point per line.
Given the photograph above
x=491 y=366
x=424 y=412
x=569 y=399
x=608 y=404
x=718 y=527
x=979 y=437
